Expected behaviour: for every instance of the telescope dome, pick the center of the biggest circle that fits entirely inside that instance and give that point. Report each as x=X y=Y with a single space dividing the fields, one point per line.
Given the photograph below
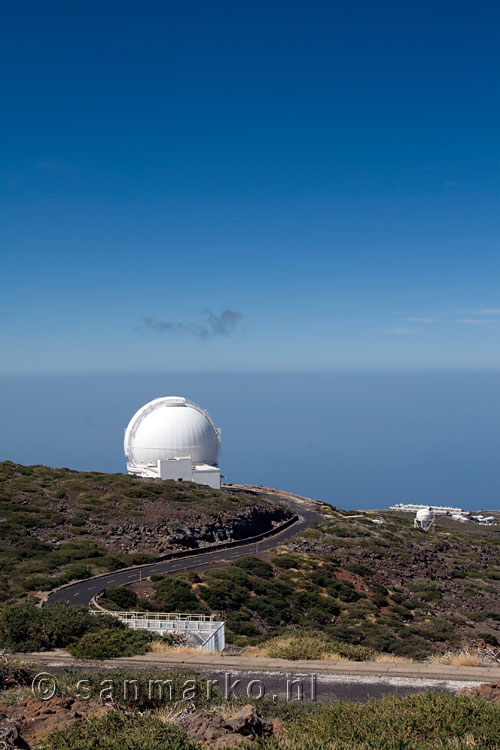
x=171 y=427
x=424 y=515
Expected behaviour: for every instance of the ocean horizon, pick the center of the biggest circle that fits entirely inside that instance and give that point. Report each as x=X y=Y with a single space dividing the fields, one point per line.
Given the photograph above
x=352 y=439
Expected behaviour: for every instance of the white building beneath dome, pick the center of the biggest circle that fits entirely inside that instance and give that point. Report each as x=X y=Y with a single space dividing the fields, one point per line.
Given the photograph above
x=173 y=438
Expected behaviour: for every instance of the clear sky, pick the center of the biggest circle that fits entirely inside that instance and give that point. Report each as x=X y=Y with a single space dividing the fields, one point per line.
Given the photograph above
x=269 y=186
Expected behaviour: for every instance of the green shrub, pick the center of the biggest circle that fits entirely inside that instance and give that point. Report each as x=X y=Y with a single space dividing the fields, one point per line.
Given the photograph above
x=435 y=630
x=411 y=646
x=255 y=566
x=379 y=601
x=322 y=576
x=426 y=721
x=25 y=627
x=402 y=612
x=287 y=561
x=425 y=589
x=108 y=644
x=312 y=645
x=493 y=615
x=117 y=731
x=344 y=590
x=121 y=597
x=175 y=595
x=397 y=597
x=359 y=569
x=488 y=638
x=240 y=625
x=77 y=572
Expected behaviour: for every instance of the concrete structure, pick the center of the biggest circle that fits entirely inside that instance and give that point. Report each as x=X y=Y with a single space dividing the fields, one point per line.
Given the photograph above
x=173 y=438
x=484 y=520
x=201 y=631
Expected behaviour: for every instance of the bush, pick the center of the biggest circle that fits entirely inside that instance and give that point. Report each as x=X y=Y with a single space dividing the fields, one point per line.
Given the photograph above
x=108 y=644
x=116 y=730
x=312 y=645
x=425 y=589
x=359 y=569
x=175 y=595
x=379 y=601
x=287 y=561
x=344 y=590
x=256 y=567
x=240 y=625
x=122 y=597
x=322 y=576
x=219 y=597
x=412 y=647
x=402 y=612
x=25 y=627
x=488 y=638
x=425 y=721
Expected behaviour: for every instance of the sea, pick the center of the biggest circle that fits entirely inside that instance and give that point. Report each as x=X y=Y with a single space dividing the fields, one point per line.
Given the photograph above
x=353 y=439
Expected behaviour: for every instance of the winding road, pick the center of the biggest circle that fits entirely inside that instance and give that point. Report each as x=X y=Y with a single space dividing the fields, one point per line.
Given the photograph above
x=82 y=592
x=334 y=680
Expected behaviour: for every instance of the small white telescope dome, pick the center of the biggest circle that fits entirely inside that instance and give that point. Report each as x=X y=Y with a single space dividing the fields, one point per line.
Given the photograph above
x=424 y=515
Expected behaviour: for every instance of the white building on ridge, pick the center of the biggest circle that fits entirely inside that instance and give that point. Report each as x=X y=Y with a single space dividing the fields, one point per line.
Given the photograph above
x=442 y=510
x=173 y=438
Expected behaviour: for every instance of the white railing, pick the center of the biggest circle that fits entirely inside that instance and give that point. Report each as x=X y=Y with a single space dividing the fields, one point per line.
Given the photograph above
x=203 y=631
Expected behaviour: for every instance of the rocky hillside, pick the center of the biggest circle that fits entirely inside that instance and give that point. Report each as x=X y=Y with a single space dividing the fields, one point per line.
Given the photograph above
x=57 y=525
x=384 y=586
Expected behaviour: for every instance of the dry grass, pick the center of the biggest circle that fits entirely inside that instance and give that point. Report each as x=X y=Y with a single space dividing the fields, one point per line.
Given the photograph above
x=308 y=646
x=392 y=659
x=331 y=655
x=157 y=647
x=465 y=658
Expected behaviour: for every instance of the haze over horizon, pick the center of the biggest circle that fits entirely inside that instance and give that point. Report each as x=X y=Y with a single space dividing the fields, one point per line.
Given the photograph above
x=355 y=440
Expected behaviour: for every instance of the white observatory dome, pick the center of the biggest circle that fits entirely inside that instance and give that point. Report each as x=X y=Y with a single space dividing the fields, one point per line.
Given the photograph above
x=424 y=515
x=171 y=427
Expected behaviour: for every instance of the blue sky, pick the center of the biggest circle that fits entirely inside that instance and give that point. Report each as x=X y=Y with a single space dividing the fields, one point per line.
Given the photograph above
x=261 y=187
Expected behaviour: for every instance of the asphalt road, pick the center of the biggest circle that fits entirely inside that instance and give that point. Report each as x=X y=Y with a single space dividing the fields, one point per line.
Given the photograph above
x=83 y=591
x=252 y=685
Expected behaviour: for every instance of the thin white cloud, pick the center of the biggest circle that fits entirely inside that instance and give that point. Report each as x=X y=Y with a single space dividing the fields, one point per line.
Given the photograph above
x=481 y=311
x=399 y=331
x=477 y=322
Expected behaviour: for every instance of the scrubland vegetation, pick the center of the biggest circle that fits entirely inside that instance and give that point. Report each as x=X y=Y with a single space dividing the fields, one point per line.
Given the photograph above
x=348 y=586
x=27 y=628
x=420 y=722
x=58 y=525
x=345 y=588
x=143 y=720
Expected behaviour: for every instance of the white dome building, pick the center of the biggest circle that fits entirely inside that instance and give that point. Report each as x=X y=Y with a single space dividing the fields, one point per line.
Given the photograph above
x=424 y=519
x=173 y=438
x=424 y=515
